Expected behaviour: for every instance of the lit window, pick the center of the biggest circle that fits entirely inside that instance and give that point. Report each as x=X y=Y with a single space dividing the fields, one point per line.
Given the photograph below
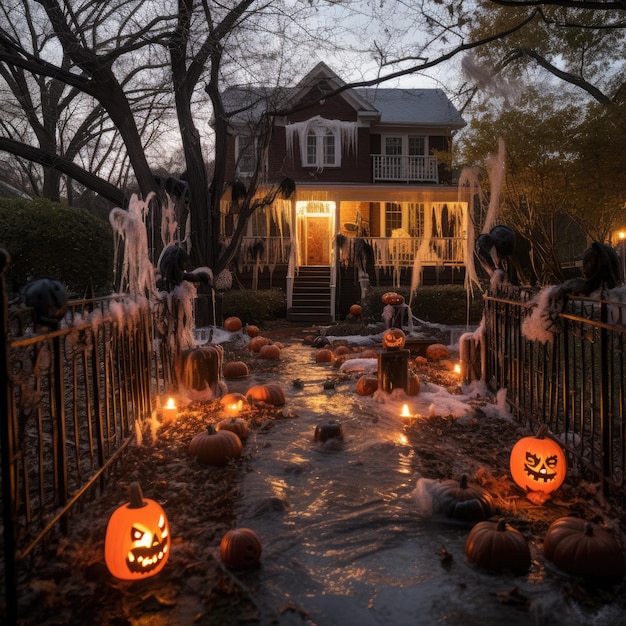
x=321 y=147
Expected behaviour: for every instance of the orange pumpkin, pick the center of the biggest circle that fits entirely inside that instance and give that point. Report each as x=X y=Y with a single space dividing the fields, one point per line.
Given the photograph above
x=256 y=343
x=538 y=463
x=393 y=298
x=235 y=369
x=240 y=548
x=366 y=385
x=235 y=425
x=356 y=310
x=437 y=351
x=496 y=546
x=233 y=402
x=342 y=350
x=324 y=356
x=270 y=393
x=215 y=447
x=252 y=330
x=137 y=540
x=232 y=324
x=270 y=351
x=394 y=339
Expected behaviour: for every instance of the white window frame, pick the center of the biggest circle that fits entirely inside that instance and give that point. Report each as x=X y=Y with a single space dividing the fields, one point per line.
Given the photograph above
x=405 y=144
x=318 y=157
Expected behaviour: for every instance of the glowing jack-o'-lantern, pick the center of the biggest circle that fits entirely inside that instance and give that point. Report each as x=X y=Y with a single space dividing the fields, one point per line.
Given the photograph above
x=137 y=541
x=394 y=339
x=538 y=463
x=393 y=298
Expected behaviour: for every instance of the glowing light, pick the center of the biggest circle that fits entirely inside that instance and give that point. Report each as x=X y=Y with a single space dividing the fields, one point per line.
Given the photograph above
x=405 y=411
x=170 y=411
x=622 y=234
x=457 y=368
x=234 y=407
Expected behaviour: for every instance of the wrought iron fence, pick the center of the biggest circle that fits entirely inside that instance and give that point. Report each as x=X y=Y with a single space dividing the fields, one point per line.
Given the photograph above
x=71 y=398
x=572 y=378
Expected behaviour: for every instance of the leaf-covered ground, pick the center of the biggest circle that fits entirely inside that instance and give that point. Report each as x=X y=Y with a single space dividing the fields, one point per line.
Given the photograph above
x=70 y=584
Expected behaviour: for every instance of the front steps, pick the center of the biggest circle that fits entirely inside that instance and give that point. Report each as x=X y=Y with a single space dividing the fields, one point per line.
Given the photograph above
x=311 y=297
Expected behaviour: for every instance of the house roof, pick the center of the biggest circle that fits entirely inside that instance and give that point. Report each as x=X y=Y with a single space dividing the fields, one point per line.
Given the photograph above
x=415 y=107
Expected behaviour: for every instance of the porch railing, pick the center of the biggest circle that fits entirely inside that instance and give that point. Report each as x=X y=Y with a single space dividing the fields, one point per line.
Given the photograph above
x=405 y=169
x=402 y=251
x=573 y=383
x=70 y=398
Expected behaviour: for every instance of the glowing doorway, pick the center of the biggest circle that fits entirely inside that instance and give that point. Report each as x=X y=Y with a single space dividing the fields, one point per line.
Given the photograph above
x=315 y=232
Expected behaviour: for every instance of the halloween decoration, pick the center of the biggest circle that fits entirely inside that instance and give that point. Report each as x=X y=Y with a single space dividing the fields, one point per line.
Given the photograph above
x=437 y=351
x=324 y=356
x=463 y=501
x=252 y=330
x=240 y=548
x=496 y=546
x=175 y=266
x=394 y=339
x=414 y=385
x=393 y=370
x=256 y=343
x=366 y=385
x=198 y=369
x=538 y=463
x=235 y=425
x=233 y=403
x=48 y=299
x=393 y=298
x=235 y=369
x=270 y=351
x=270 y=393
x=328 y=430
x=215 y=447
x=581 y=548
x=137 y=540
x=232 y=324
x=342 y=350
x=169 y=410
x=356 y=310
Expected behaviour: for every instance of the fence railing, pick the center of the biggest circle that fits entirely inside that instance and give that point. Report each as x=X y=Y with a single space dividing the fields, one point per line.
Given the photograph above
x=574 y=381
x=72 y=397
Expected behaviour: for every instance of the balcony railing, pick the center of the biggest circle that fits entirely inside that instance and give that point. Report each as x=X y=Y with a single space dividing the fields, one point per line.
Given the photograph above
x=405 y=169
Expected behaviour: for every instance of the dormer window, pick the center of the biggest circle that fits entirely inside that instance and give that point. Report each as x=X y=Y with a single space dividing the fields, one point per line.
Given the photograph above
x=245 y=155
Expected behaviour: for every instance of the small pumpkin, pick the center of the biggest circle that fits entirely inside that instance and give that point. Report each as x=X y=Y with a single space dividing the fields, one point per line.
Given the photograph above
x=232 y=324
x=240 y=548
x=328 y=430
x=215 y=447
x=235 y=425
x=437 y=351
x=324 y=356
x=233 y=403
x=498 y=547
x=252 y=330
x=394 y=339
x=366 y=385
x=462 y=500
x=342 y=350
x=356 y=310
x=270 y=393
x=393 y=298
x=581 y=548
x=256 y=343
x=270 y=351
x=235 y=369
x=538 y=463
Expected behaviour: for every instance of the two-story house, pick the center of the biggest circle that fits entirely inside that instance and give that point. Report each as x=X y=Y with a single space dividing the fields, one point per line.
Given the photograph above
x=374 y=200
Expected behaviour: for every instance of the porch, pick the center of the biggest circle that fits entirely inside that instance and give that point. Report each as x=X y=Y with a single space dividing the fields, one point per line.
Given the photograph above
x=405 y=169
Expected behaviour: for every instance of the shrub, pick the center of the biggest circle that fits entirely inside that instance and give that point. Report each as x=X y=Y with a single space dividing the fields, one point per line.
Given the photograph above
x=254 y=307
x=438 y=304
x=44 y=238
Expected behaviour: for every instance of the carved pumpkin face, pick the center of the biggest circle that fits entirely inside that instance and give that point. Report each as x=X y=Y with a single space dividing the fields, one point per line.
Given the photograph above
x=538 y=463
x=394 y=339
x=137 y=541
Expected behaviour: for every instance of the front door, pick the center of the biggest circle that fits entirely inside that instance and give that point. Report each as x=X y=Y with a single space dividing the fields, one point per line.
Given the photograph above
x=317 y=241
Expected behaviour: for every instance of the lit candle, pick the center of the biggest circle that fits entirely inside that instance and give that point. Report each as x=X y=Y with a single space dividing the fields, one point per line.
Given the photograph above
x=405 y=411
x=457 y=368
x=233 y=403
x=170 y=411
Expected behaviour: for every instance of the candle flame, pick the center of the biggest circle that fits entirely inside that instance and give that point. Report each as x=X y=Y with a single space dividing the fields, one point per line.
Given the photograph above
x=457 y=369
x=170 y=404
x=405 y=411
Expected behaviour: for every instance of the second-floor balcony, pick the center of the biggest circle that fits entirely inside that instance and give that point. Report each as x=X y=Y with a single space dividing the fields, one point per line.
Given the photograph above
x=404 y=169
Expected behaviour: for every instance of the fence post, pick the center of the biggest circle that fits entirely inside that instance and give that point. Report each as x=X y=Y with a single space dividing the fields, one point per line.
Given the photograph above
x=7 y=439
x=606 y=424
